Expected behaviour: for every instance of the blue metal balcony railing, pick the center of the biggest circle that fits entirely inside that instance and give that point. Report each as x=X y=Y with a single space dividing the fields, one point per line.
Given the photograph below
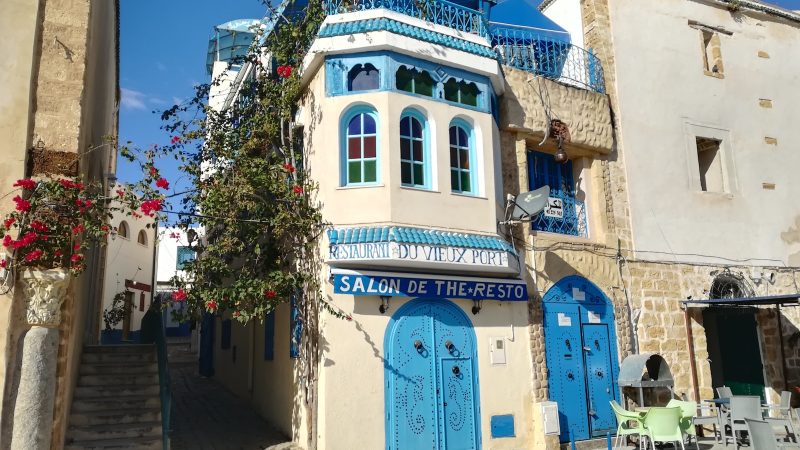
x=440 y=12
x=573 y=223
x=540 y=52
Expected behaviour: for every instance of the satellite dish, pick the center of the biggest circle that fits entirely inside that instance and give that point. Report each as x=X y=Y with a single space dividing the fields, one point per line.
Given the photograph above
x=528 y=204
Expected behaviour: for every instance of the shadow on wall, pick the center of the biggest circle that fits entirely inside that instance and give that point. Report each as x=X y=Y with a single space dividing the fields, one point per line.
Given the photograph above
x=792 y=238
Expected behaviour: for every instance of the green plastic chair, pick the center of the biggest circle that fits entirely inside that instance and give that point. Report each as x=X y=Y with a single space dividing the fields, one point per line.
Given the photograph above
x=663 y=425
x=629 y=423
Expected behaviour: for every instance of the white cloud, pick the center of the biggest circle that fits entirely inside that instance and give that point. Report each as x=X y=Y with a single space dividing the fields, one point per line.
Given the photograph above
x=133 y=99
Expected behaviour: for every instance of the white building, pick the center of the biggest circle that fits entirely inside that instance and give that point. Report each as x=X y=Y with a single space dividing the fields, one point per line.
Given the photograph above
x=173 y=253
x=129 y=273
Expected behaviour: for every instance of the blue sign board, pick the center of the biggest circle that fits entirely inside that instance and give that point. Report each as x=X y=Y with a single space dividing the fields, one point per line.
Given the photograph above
x=401 y=286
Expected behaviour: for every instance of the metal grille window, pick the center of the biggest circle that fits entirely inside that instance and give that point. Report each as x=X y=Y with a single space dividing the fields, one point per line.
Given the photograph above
x=362 y=152
x=412 y=152
x=460 y=160
x=185 y=255
x=564 y=214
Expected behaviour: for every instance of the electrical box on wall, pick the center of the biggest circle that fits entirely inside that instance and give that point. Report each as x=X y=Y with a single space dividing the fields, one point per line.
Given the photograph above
x=497 y=350
x=550 y=418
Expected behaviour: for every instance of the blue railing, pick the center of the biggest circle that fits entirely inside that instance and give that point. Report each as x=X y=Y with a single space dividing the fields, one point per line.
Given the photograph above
x=572 y=223
x=543 y=53
x=153 y=333
x=440 y=12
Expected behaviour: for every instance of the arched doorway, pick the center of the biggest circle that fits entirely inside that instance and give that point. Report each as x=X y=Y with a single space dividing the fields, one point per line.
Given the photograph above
x=431 y=375
x=734 y=351
x=581 y=354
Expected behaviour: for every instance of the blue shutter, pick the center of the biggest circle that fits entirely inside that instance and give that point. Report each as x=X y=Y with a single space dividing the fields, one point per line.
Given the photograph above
x=269 y=337
x=185 y=254
x=543 y=170
x=225 y=338
x=296 y=330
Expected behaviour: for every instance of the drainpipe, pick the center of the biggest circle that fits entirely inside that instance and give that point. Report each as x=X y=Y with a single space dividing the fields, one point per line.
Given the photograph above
x=783 y=355
x=692 y=362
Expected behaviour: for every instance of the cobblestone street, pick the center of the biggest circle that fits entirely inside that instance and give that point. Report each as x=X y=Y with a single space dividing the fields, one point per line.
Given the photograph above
x=206 y=416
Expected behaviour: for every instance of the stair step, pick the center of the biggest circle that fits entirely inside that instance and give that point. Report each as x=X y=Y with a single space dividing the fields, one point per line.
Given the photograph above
x=144 y=443
x=120 y=402
x=133 y=348
x=114 y=431
x=150 y=390
x=115 y=416
x=119 y=368
x=118 y=379
x=118 y=357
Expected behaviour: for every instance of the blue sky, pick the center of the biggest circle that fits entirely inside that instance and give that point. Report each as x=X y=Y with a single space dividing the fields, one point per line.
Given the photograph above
x=163 y=48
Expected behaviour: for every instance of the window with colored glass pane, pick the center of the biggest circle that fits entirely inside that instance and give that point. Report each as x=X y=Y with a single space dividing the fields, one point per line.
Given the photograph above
x=412 y=154
x=414 y=81
x=461 y=92
x=362 y=152
x=460 y=170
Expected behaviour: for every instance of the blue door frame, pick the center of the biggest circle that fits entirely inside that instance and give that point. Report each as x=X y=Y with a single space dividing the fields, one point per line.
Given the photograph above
x=581 y=354
x=431 y=375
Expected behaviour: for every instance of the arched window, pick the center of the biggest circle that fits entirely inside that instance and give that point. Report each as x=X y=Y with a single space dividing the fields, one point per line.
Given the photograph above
x=361 y=148
x=142 y=238
x=461 y=92
x=729 y=285
x=461 y=179
x=122 y=230
x=363 y=78
x=414 y=81
x=412 y=150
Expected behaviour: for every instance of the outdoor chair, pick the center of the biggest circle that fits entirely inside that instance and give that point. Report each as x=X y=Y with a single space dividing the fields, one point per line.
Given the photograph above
x=724 y=392
x=742 y=407
x=761 y=435
x=690 y=418
x=783 y=418
x=663 y=425
x=629 y=423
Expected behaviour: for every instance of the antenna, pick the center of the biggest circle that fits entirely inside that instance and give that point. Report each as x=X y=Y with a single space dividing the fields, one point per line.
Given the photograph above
x=526 y=206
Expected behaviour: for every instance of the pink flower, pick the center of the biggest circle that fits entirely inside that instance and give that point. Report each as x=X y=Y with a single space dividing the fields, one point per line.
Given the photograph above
x=289 y=168
x=162 y=183
x=211 y=305
x=175 y=140
x=149 y=207
x=26 y=183
x=270 y=293
x=8 y=222
x=78 y=229
x=236 y=314
x=8 y=241
x=39 y=226
x=3 y=263
x=26 y=240
x=76 y=258
x=179 y=295
x=69 y=184
x=284 y=71
x=153 y=171
x=120 y=193
x=298 y=189
x=34 y=255
x=58 y=254
x=22 y=204
x=76 y=247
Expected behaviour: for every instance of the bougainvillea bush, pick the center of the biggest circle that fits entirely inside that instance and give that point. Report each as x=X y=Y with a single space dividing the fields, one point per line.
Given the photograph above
x=251 y=195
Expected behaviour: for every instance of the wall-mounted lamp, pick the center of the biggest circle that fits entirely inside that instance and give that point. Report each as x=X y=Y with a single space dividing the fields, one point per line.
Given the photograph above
x=476 y=307
x=561 y=155
x=384 y=304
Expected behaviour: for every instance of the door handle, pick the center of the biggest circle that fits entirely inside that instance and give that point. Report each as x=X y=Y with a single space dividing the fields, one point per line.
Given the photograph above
x=456 y=370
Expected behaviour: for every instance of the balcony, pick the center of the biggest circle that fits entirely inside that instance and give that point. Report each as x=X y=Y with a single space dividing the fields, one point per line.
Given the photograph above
x=543 y=53
x=439 y=12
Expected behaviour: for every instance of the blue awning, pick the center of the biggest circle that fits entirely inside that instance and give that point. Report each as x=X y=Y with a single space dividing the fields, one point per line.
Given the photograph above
x=783 y=300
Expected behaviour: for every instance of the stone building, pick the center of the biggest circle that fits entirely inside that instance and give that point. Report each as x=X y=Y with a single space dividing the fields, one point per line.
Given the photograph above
x=696 y=195
x=59 y=101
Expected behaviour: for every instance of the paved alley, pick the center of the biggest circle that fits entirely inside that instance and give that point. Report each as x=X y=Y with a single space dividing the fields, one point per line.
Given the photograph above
x=206 y=416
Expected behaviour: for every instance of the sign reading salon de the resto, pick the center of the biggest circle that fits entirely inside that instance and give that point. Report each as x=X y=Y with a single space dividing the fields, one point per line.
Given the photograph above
x=397 y=285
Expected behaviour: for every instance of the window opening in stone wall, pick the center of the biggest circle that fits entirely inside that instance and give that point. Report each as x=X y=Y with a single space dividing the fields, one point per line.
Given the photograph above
x=414 y=81
x=709 y=161
x=122 y=230
x=729 y=285
x=712 y=53
x=142 y=237
x=363 y=78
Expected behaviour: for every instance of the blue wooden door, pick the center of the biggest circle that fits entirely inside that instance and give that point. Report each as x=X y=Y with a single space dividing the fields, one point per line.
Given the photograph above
x=431 y=378
x=565 y=368
x=599 y=378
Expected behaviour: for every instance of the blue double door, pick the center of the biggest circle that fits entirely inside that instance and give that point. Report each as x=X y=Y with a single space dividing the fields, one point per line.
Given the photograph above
x=431 y=378
x=582 y=369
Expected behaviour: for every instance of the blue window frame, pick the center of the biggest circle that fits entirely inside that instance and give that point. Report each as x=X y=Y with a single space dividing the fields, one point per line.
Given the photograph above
x=185 y=255
x=295 y=328
x=363 y=77
x=415 y=81
x=413 y=150
x=461 y=159
x=360 y=148
x=225 y=336
x=543 y=170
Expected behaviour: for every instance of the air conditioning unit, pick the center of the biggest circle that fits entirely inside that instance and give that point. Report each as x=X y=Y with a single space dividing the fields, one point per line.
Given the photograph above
x=550 y=418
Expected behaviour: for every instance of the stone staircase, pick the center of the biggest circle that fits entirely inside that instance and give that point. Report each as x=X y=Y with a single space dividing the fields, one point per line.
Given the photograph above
x=116 y=403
